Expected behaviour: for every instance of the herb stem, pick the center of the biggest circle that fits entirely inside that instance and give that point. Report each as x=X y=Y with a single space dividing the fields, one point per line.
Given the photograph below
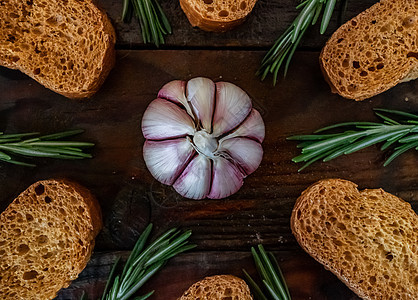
x=270 y=274
x=50 y=146
x=285 y=46
x=356 y=136
x=152 y=19
x=142 y=263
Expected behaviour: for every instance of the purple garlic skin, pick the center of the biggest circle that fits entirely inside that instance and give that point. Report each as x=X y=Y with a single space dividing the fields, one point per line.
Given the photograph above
x=202 y=138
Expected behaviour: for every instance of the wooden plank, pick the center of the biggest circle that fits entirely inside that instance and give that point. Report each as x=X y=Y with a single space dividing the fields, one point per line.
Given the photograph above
x=260 y=211
x=306 y=279
x=265 y=24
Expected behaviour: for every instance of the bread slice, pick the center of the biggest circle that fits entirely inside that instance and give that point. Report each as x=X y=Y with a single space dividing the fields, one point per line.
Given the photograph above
x=368 y=238
x=218 y=287
x=217 y=15
x=374 y=51
x=68 y=45
x=46 y=239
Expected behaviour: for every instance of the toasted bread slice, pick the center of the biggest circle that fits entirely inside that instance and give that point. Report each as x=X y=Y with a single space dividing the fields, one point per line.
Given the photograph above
x=368 y=238
x=217 y=15
x=68 y=46
x=374 y=51
x=46 y=239
x=218 y=287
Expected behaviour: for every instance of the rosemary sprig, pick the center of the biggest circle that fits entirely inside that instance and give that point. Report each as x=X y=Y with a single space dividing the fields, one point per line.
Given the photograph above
x=271 y=275
x=51 y=146
x=402 y=134
x=283 y=49
x=151 y=17
x=143 y=263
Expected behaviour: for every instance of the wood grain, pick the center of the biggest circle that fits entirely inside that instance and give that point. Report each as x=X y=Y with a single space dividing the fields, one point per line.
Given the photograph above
x=305 y=280
x=268 y=20
x=222 y=229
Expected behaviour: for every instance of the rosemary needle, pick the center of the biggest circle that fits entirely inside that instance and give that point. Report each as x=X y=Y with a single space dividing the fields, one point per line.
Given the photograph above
x=285 y=46
x=152 y=19
x=33 y=145
x=270 y=274
x=142 y=263
x=354 y=136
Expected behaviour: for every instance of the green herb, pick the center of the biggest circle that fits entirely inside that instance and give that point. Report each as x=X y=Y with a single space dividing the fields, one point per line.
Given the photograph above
x=402 y=134
x=271 y=275
x=151 y=17
x=51 y=146
x=284 y=48
x=143 y=263
x=84 y=296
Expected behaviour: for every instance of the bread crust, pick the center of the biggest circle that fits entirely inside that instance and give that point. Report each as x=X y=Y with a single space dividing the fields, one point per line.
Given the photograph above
x=218 y=287
x=324 y=72
x=54 y=256
x=370 y=44
x=95 y=211
x=196 y=19
x=16 y=54
x=309 y=201
x=107 y=63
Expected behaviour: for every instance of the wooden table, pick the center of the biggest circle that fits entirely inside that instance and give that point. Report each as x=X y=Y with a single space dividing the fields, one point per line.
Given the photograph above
x=224 y=230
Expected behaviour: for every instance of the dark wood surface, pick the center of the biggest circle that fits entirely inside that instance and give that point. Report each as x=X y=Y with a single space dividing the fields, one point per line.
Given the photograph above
x=224 y=230
x=264 y=25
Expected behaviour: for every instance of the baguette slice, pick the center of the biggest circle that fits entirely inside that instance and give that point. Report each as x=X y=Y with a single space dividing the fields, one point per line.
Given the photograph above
x=46 y=239
x=218 y=287
x=67 y=46
x=368 y=238
x=374 y=51
x=217 y=15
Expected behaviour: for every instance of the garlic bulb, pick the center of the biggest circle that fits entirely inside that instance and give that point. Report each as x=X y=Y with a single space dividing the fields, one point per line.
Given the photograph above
x=202 y=138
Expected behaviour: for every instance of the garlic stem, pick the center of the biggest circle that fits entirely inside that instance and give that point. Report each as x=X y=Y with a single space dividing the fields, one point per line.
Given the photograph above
x=205 y=143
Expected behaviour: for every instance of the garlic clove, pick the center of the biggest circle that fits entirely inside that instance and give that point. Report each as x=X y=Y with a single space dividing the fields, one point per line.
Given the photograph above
x=174 y=91
x=252 y=127
x=232 y=107
x=194 y=182
x=167 y=159
x=164 y=119
x=201 y=95
x=245 y=152
x=227 y=179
